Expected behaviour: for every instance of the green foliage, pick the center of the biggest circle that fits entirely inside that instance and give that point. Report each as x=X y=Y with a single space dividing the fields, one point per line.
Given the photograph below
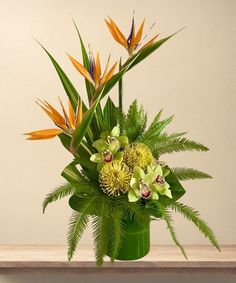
x=89 y=87
x=117 y=230
x=68 y=86
x=176 y=145
x=109 y=118
x=101 y=231
x=193 y=216
x=135 y=122
x=145 y=52
x=167 y=217
x=155 y=129
x=77 y=225
x=189 y=174
x=58 y=193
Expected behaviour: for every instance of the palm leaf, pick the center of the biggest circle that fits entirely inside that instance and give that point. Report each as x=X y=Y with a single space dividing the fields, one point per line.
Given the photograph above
x=176 y=145
x=167 y=217
x=118 y=230
x=189 y=174
x=58 y=193
x=193 y=216
x=77 y=225
x=101 y=232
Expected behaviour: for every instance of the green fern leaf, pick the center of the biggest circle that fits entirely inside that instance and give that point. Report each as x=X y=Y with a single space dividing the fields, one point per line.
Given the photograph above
x=193 y=216
x=189 y=174
x=134 y=211
x=176 y=145
x=155 y=129
x=101 y=232
x=161 y=138
x=77 y=225
x=118 y=231
x=167 y=217
x=135 y=121
x=58 y=193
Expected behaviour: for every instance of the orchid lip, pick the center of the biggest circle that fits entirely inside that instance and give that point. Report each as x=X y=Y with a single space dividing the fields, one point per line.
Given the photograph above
x=160 y=179
x=107 y=156
x=145 y=190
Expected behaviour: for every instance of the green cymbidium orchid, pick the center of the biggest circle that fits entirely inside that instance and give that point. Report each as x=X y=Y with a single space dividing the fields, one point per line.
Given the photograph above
x=149 y=185
x=108 y=147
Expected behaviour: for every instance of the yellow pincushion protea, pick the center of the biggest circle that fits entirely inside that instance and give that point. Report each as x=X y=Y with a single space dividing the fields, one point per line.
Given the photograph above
x=137 y=154
x=114 y=178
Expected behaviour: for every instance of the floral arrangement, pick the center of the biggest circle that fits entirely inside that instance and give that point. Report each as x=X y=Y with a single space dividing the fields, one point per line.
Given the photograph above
x=117 y=176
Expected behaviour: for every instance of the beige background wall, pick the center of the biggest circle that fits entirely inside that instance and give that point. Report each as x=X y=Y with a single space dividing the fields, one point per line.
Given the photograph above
x=193 y=76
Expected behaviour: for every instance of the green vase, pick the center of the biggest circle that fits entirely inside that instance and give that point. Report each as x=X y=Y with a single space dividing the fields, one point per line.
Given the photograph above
x=136 y=241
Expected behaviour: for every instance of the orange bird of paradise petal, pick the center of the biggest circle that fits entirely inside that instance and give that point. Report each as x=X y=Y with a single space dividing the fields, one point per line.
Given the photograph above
x=66 y=123
x=94 y=74
x=133 y=41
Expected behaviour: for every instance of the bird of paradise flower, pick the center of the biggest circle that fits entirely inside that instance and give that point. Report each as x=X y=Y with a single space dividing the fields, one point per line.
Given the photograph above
x=134 y=40
x=65 y=124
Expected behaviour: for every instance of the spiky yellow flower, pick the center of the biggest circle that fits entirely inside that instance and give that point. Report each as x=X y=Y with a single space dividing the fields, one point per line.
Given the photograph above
x=115 y=178
x=137 y=154
x=65 y=123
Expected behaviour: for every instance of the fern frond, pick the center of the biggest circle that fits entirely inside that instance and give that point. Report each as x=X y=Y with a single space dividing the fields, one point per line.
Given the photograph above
x=135 y=121
x=101 y=232
x=58 y=193
x=167 y=217
x=155 y=129
x=176 y=145
x=193 y=216
x=118 y=231
x=160 y=138
x=189 y=174
x=77 y=225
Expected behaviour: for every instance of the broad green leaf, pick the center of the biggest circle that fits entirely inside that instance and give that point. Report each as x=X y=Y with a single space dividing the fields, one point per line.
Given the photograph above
x=72 y=174
x=176 y=188
x=109 y=115
x=68 y=86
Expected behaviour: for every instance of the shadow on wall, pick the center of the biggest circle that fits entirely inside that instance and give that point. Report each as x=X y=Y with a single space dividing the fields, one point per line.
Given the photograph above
x=62 y=277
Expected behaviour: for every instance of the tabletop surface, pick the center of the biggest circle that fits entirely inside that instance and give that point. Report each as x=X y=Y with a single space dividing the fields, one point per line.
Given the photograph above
x=203 y=257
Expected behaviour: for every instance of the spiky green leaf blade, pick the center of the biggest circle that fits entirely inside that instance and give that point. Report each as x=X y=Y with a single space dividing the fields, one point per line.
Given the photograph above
x=82 y=128
x=116 y=78
x=183 y=174
x=167 y=217
x=193 y=216
x=70 y=90
x=145 y=52
x=77 y=225
x=120 y=90
x=89 y=87
x=176 y=145
x=58 y=193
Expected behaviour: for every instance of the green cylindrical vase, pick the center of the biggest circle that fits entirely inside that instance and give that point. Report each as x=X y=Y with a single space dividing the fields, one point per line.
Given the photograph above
x=136 y=241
